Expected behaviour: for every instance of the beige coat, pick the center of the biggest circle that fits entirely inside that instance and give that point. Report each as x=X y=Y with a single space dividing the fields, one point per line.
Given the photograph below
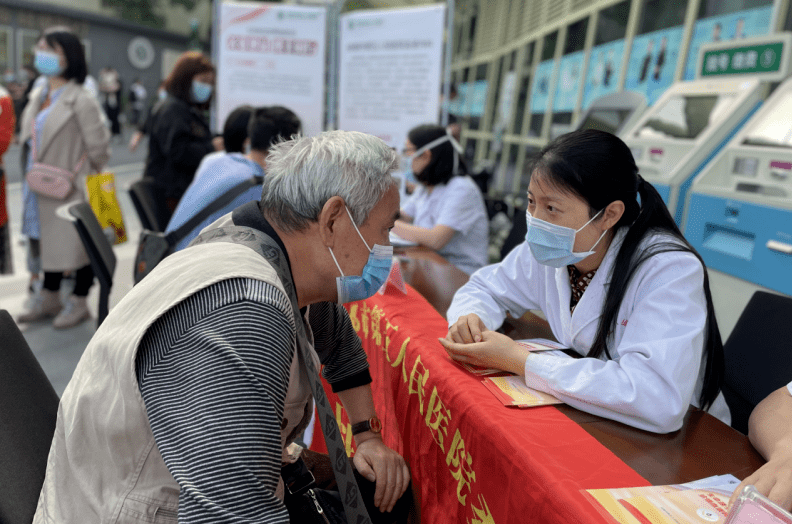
x=104 y=466
x=74 y=127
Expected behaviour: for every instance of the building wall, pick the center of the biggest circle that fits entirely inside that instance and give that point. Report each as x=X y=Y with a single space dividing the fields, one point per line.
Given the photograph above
x=523 y=67
x=177 y=18
x=107 y=41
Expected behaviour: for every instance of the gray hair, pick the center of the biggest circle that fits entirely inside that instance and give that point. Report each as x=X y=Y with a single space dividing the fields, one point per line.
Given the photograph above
x=305 y=172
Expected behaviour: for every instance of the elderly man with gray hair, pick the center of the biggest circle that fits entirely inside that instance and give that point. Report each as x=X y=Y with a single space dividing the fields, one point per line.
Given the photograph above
x=187 y=397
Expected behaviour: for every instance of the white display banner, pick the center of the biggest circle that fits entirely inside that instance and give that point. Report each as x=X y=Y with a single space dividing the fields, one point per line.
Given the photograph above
x=272 y=54
x=391 y=62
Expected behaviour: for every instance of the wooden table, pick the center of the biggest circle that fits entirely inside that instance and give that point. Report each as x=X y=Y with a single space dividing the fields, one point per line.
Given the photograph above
x=703 y=447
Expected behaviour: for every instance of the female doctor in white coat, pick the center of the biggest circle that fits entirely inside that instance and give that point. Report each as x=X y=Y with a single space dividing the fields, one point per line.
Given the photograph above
x=617 y=282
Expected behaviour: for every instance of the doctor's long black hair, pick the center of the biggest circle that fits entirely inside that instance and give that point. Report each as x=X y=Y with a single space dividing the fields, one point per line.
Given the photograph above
x=599 y=168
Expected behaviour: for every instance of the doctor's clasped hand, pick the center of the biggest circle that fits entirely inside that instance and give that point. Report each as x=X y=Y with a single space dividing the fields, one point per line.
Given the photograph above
x=490 y=350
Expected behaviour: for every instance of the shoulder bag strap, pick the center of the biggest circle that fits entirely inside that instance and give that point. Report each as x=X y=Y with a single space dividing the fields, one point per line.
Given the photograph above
x=34 y=149
x=175 y=236
x=269 y=249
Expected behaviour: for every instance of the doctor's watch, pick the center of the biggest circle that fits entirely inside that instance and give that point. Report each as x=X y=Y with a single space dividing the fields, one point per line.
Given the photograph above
x=373 y=424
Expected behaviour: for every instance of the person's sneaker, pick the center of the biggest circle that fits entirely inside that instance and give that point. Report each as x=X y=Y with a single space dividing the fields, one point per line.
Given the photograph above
x=75 y=312
x=46 y=304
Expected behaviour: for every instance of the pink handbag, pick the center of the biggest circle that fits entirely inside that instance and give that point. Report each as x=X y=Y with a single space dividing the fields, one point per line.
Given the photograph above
x=50 y=181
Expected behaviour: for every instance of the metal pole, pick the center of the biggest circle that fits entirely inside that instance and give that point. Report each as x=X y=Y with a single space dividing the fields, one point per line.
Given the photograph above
x=450 y=5
x=334 y=34
x=216 y=8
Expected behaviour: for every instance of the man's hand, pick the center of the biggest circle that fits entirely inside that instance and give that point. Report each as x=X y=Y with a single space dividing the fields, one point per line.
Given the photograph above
x=466 y=330
x=773 y=480
x=378 y=463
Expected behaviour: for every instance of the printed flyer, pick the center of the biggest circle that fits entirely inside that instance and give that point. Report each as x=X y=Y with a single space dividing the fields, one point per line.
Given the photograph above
x=703 y=501
x=513 y=392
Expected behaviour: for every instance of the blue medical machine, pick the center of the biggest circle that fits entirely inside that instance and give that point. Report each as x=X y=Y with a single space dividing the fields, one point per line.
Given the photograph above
x=739 y=212
x=676 y=137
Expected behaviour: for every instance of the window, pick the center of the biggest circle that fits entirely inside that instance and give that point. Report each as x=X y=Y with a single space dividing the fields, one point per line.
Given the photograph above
x=497 y=93
x=477 y=96
x=709 y=8
x=535 y=128
x=576 y=36
x=549 y=47
x=26 y=41
x=612 y=23
x=661 y=14
x=522 y=100
x=524 y=85
x=6 y=53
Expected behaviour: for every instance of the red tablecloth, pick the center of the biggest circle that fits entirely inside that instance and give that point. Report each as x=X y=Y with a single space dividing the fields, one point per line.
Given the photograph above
x=472 y=459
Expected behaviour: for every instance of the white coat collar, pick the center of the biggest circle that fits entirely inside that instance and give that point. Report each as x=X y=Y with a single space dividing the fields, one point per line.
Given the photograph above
x=589 y=309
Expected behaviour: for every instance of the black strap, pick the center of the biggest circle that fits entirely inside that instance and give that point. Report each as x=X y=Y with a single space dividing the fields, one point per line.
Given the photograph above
x=175 y=236
x=268 y=248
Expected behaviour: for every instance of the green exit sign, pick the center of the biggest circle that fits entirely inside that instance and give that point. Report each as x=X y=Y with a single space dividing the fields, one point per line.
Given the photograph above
x=744 y=60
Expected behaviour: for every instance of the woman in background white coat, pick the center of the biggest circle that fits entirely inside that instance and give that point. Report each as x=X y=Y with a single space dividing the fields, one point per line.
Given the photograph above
x=618 y=284
x=446 y=212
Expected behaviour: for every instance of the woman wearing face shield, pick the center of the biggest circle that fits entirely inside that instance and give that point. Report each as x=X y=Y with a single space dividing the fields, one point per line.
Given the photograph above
x=618 y=283
x=446 y=211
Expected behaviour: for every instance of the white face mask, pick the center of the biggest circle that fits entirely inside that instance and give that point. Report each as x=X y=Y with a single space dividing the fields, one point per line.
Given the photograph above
x=434 y=143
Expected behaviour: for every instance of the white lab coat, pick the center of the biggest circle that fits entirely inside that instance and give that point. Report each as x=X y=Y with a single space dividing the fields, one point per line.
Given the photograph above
x=657 y=348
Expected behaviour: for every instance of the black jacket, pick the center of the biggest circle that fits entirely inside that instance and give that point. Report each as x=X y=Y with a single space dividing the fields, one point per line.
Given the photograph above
x=179 y=139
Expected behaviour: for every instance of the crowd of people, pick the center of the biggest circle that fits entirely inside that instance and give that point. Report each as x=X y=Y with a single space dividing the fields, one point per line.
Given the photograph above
x=199 y=380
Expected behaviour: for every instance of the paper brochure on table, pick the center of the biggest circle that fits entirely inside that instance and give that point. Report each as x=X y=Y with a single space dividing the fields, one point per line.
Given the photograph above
x=533 y=344
x=697 y=502
x=512 y=391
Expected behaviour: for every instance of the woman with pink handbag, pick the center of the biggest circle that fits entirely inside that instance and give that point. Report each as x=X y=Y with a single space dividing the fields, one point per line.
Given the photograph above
x=68 y=139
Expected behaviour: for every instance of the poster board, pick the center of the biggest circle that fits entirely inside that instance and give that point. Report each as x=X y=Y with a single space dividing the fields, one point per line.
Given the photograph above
x=272 y=54
x=390 y=68
x=653 y=61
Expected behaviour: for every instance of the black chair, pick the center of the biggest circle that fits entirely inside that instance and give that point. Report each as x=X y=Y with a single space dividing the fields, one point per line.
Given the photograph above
x=481 y=175
x=494 y=206
x=28 y=411
x=516 y=234
x=100 y=251
x=142 y=195
x=758 y=355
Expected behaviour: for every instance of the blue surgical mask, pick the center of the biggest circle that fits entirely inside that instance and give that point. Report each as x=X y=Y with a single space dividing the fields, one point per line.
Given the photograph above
x=352 y=288
x=552 y=245
x=48 y=63
x=201 y=91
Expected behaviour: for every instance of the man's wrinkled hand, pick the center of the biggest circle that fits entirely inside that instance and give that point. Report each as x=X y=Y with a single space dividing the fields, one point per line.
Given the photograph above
x=378 y=463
